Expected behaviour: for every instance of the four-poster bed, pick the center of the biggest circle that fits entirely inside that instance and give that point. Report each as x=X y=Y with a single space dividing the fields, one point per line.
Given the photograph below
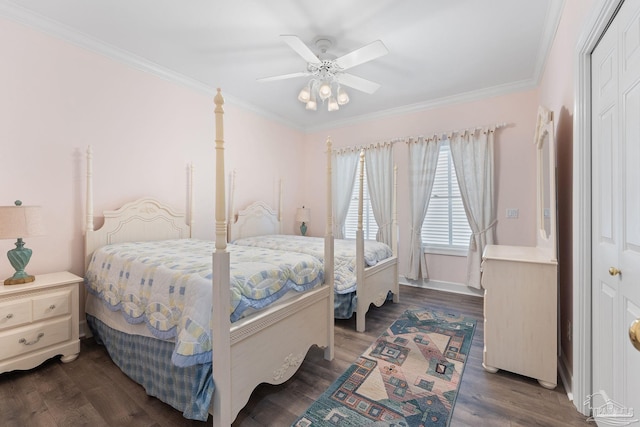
x=365 y=271
x=266 y=345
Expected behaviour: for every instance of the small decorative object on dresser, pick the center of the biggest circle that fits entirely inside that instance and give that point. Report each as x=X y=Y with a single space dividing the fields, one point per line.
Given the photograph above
x=39 y=321
x=303 y=215
x=17 y=222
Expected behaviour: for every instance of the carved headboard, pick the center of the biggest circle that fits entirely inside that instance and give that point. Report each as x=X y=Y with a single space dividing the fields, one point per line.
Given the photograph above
x=141 y=220
x=257 y=219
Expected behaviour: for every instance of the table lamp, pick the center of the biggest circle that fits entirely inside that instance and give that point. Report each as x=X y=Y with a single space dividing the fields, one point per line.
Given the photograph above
x=303 y=215
x=17 y=222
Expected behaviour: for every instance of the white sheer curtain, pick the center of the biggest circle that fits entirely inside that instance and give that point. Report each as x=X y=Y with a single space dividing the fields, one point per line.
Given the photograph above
x=379 y=161
x=423 y=159
x=344 y=165
x=472 y=154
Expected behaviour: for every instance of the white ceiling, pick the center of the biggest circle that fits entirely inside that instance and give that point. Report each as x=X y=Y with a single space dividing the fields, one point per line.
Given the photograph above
x=440 y=50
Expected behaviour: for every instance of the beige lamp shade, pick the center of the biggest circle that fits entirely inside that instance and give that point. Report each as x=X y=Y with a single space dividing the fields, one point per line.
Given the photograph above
x=21 y=221
x=303 y=214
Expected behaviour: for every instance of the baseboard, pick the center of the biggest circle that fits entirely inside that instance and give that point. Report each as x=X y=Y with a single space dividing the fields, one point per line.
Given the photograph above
x=566 y=376
x=456 y=288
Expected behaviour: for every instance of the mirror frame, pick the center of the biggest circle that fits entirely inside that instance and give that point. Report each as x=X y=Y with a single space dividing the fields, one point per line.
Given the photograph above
x=545 y=147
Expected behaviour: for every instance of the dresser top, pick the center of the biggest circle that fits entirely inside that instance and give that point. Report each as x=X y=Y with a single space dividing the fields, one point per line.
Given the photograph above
x=520 y=253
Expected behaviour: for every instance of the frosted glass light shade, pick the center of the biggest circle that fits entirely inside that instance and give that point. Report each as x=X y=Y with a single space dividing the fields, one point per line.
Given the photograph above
x=324 y=91
x=312 y=104
x=333 y=104
x=343 y=97
x=304 y=95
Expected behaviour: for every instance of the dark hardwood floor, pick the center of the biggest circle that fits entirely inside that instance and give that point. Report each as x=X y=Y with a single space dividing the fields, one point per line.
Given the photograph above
x=92 y=391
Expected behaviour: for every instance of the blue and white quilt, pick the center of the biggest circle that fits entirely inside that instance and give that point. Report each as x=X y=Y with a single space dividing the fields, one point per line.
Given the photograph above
x=344 y=254
x=168 y=285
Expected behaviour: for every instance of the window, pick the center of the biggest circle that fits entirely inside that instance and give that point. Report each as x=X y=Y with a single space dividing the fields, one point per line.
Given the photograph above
x=369 y=225
x=445 y=228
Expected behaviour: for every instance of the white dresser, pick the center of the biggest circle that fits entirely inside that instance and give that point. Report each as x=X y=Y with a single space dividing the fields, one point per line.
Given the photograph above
x=521 y=283
x=520 y=312
x=39 y=320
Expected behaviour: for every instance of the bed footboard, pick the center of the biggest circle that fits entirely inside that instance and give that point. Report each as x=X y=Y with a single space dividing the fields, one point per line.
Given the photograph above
x=378 y=281
x=269 y=347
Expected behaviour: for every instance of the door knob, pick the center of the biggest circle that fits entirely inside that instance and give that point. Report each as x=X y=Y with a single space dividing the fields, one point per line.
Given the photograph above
x=634 y=334
x=614 y=271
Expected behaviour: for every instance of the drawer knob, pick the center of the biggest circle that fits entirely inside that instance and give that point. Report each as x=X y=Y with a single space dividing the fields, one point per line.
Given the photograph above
x=52 y=307
x=9 y=316
x=25 y=342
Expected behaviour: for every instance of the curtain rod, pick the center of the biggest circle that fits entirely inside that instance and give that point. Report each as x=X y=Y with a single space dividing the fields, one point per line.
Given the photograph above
x=440 y=135
x=372 y=146
x=408 y=139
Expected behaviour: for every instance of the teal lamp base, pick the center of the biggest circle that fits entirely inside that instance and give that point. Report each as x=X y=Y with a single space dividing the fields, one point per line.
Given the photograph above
x=19 y=258
x=303 y=229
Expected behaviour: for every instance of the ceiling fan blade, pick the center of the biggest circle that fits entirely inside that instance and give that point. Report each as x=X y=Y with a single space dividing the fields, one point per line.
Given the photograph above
x=366 y=53
x=301 y=49
x=284 y=76
x=363 y=85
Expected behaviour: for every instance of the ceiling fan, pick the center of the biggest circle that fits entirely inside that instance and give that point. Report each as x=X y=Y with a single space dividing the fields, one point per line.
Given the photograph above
x=326 y=71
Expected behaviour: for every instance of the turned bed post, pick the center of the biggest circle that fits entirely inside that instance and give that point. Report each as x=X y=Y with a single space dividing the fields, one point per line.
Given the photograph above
x=221 y=339
x=190 y=199
x=280 y=206
x=361 y=311
x=394 y=228
x=328 y=255
x=230 y=217
x=89 y=227
x=89 y=189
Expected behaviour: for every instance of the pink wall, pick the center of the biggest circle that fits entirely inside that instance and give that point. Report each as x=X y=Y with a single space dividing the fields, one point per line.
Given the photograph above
x=557 y=94
x=515 y=167
x=58 y=98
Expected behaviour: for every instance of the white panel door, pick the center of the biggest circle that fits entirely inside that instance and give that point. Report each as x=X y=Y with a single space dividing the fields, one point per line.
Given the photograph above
x=616 y=217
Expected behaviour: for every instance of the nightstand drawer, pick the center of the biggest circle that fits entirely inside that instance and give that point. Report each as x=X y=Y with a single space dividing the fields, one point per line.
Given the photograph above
x=51 y=305
x=30 y=338
x=15 y=313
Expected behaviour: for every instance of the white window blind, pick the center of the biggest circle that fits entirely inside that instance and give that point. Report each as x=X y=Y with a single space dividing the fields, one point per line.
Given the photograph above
x=369 y=225
x=445 y=225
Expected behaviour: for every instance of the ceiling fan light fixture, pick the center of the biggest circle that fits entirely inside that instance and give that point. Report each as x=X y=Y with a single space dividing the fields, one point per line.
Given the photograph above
x=324 y=91
x=326 y=70
x=343 y=97
x=305 y=94
x=333 y=104
x=311 y=103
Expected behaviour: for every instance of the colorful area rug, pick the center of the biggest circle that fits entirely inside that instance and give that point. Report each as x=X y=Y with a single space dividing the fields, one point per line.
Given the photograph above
x=408 y=377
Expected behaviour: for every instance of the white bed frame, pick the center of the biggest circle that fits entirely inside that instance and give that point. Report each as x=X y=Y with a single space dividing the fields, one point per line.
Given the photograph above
x=268 y=346
x=373 y=283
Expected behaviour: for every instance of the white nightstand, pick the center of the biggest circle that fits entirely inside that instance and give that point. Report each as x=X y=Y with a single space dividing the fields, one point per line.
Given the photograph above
x=39 y=320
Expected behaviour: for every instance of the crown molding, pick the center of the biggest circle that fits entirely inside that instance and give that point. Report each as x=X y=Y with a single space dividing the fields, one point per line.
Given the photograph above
x=552 y=22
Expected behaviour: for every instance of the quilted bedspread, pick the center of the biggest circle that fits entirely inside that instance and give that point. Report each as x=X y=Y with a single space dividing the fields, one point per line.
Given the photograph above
x=168 y=285
x=344 y=254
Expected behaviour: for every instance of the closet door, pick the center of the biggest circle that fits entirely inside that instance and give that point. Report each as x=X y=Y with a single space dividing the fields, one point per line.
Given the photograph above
x=616 y=214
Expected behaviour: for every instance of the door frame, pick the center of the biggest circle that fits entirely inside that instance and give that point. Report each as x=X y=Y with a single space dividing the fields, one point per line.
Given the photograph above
x=593 y=30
